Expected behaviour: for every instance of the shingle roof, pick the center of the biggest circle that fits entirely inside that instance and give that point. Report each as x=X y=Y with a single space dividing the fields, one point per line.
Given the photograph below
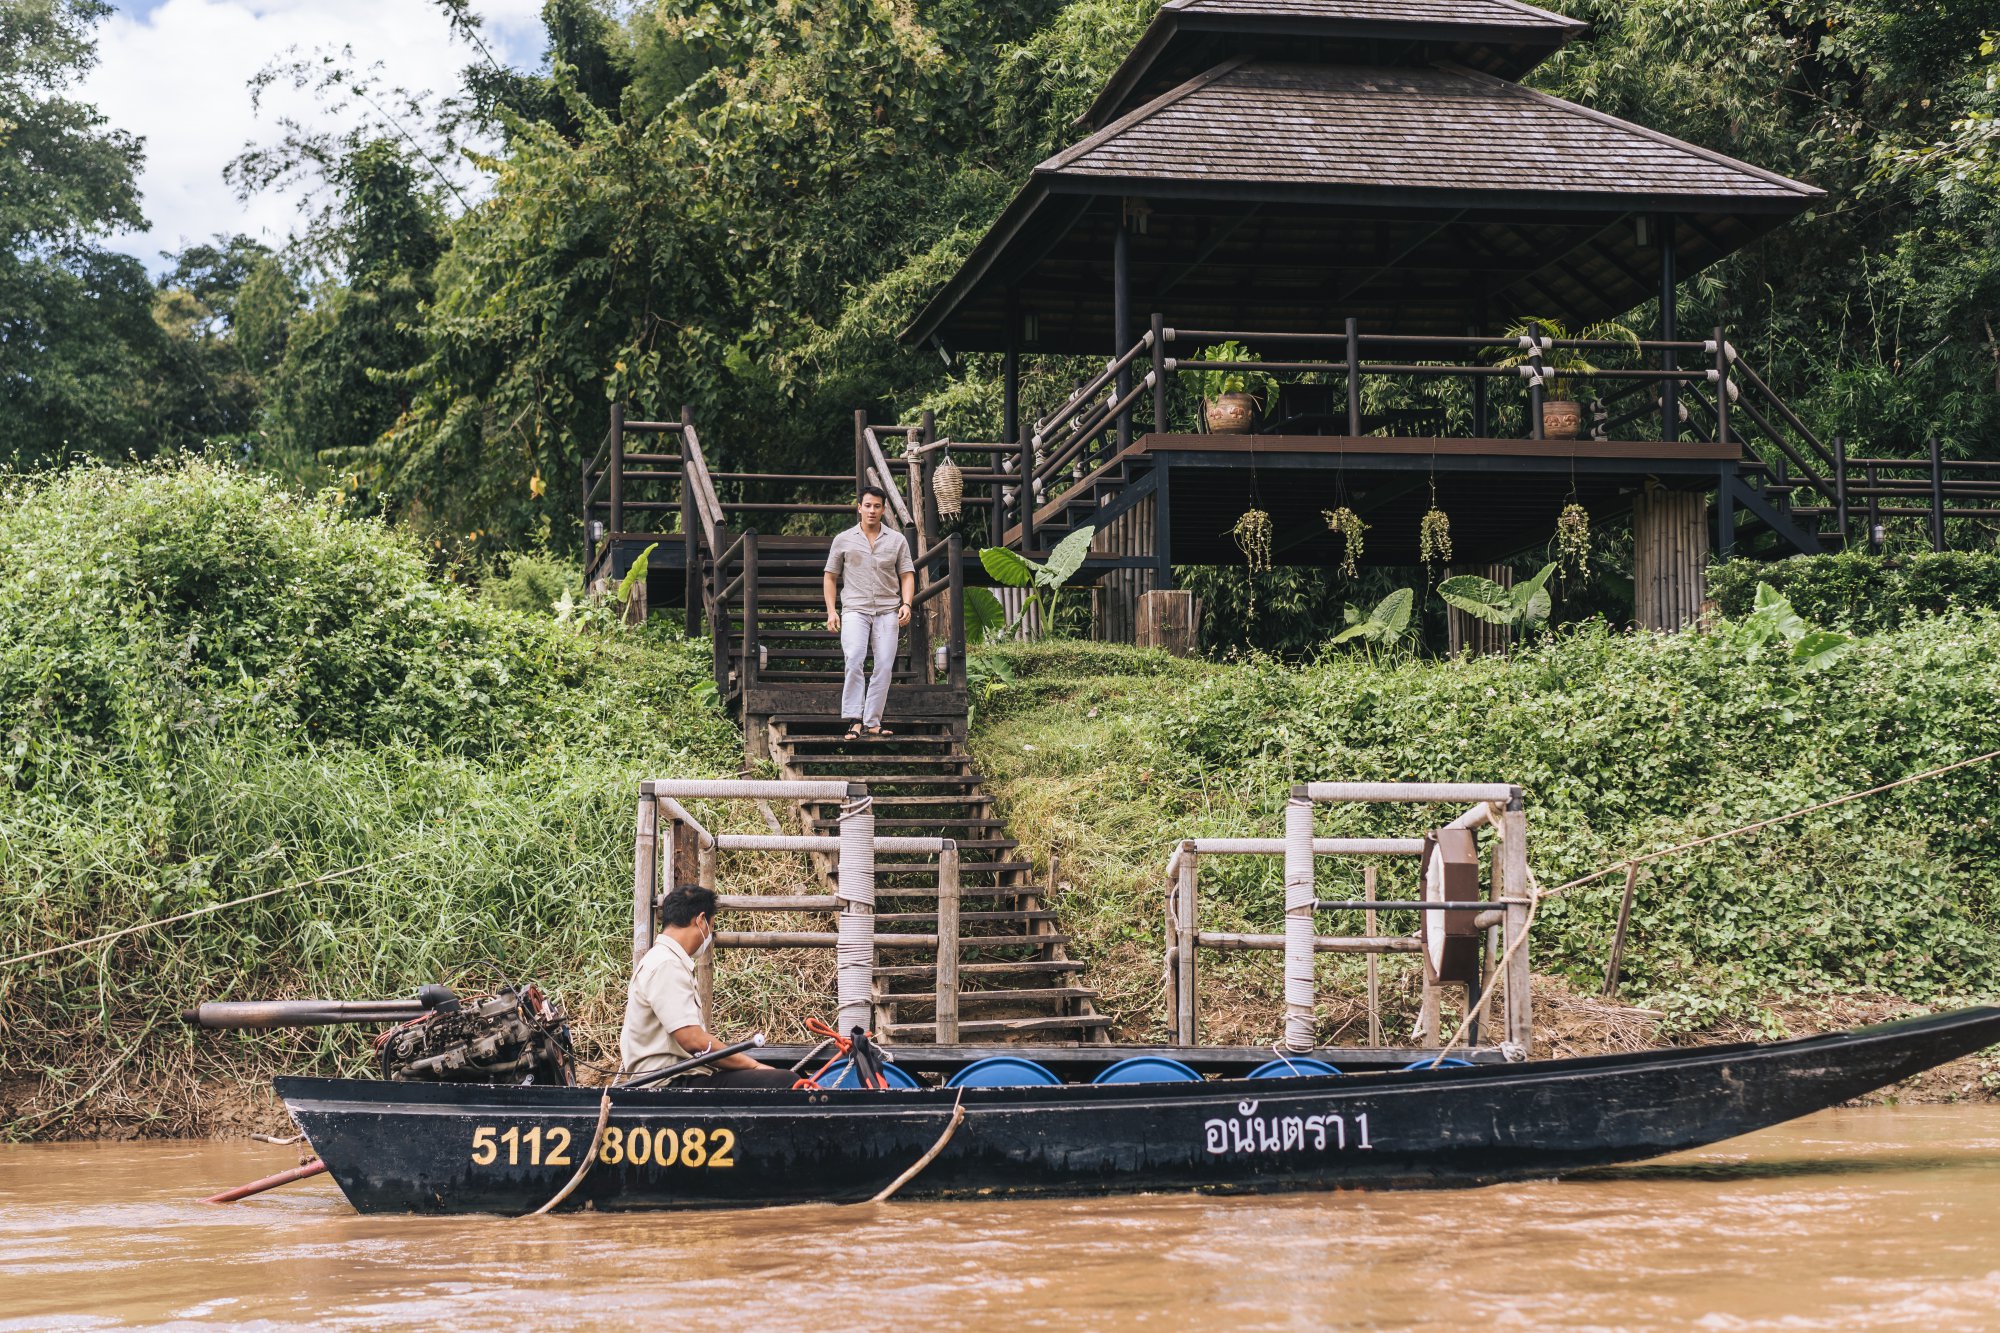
x=1248 y=121
x=1447 y=13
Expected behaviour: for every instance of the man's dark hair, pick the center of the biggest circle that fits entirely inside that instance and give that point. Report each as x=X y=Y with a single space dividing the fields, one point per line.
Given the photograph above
x=687 y=902
x=872 y=489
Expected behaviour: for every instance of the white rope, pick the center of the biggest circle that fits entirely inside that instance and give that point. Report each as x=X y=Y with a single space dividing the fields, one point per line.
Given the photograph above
x=1300 y=898
x=854 y=951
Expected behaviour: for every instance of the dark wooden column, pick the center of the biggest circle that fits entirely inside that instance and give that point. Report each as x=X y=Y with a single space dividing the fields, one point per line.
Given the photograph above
x=1670 y=398
x=1010 y=410
x=1121 y=322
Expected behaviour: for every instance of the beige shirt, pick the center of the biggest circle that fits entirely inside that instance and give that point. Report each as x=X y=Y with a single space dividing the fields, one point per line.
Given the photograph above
x=870 y=576
x=663 y=999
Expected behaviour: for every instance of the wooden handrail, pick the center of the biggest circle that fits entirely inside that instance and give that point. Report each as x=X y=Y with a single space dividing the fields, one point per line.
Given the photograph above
x=708 y=506
x=1090 y=389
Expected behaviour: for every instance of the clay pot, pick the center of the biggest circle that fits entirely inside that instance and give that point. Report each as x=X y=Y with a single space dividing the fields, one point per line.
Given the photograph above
x=1561 y=419
x=1229 y=414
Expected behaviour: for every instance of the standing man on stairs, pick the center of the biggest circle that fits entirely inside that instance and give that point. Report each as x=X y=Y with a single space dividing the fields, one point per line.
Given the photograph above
x=870 y=570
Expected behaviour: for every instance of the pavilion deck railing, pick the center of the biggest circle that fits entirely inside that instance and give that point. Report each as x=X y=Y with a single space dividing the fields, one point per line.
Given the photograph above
x=1671 y=390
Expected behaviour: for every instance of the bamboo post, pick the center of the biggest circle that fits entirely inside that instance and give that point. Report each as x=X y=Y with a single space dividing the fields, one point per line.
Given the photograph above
x=1840 y=485
x=1300 y=926
x=747 y=673
x=1874 y=513
x=860 y=449
x=645 y=869
x=1617 y=959
x=616 y=462
x=1937 y=495
x=855 y=886
x=1721 y=388
x=1159 y=349
x=690 y=543
x=955 y=574
x=1519 y=1024
x=704 y=966
x=1535 y=381
x=1374 y=963
x=1353 y=377
x=947 y=945
x=1187 y=1032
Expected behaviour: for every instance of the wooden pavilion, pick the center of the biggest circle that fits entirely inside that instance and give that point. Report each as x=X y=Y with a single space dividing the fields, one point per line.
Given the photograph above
x=1361 y=193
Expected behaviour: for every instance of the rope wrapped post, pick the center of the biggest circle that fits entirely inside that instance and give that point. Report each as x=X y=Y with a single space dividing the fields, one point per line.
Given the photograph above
x=947 y=946
x=645 y=864
x=1186 y=929
x=855 y=954
x=1518 y=1011
x=704 y=966
x=1300 y=897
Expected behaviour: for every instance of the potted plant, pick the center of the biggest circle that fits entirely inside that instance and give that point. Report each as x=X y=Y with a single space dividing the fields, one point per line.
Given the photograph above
x=1230 y=399
x=1562 y=411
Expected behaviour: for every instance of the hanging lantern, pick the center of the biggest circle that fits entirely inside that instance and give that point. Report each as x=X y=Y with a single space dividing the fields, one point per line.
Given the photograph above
x=948 y=486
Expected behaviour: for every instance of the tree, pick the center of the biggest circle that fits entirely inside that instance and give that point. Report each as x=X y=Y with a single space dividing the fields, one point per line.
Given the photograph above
x=77 y=341
x=342 y=382
x=209 y=384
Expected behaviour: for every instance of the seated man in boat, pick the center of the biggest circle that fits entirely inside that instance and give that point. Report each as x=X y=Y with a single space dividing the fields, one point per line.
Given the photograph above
x=663 y=1020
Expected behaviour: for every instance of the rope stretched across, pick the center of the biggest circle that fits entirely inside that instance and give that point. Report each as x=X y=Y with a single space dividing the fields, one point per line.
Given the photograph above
x=1537 y=895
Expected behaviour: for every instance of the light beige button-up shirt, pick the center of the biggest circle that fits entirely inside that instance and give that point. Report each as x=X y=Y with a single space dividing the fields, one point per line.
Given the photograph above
x=663 y=999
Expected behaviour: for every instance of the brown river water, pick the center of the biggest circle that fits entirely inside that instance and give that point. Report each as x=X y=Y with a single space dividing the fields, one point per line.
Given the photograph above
x=1871 y=1218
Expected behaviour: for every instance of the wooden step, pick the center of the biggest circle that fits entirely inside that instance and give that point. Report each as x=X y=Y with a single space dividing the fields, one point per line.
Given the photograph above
x=994 y=1027
x=1034 y=995
x=929 y=970
x=934 y=821
x=950 y=760
x=904 y=918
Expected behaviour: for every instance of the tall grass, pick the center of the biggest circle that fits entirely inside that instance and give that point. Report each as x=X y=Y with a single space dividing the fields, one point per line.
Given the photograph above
x=209 y=688
x=1624 y=743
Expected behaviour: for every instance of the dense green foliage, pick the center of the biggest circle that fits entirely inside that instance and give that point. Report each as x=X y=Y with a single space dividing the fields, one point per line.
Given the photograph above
x=1624 y=744
x=208 y=688
x=1861 y=592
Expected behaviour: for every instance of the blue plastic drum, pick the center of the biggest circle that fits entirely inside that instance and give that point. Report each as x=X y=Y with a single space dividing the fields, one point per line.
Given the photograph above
x=1148 y=1069
x=1448 y=1062
x=1297 y=1066
x=1003 y=1071
x=842 y=1075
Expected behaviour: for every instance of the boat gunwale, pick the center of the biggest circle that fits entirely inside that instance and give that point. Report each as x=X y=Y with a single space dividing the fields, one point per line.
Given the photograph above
x=382 y=1096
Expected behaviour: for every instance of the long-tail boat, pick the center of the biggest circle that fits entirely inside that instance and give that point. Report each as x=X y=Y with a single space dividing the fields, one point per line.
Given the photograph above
x=420 y=1147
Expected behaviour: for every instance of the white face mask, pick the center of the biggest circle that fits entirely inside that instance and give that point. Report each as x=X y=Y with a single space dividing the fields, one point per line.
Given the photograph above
x=707 y=941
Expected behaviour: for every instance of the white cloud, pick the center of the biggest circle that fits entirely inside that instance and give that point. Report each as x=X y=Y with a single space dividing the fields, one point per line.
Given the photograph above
x=177 y=72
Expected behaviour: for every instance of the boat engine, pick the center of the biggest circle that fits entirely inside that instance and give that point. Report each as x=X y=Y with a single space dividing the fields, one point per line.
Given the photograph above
x=512 y=1037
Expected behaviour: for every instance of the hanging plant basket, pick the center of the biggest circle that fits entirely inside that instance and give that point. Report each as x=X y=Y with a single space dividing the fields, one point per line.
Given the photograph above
x=1434 y=538
x=948 y=487
x=1347 y=525
x=1573 y=542
x=1253 y=537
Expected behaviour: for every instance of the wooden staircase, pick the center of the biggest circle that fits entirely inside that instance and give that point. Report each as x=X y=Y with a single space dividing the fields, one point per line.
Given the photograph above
x=778 y=668
x=1015 y=977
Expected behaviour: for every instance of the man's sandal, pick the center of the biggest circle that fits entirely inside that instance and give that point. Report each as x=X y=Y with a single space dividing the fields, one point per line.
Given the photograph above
x=853 y=732
x=880 y=731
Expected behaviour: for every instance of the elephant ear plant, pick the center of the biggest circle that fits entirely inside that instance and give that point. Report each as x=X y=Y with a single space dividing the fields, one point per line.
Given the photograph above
x=1012 y=569
x=1520 y=608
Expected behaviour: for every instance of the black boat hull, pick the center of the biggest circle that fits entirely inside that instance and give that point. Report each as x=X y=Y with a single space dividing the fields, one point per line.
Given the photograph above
x=439 y=1148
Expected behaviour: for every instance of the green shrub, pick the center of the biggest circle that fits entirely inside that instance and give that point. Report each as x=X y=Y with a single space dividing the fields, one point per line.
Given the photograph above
x=532 y=584
x=1625 y=743
x=209 y=688
x=1862 y=592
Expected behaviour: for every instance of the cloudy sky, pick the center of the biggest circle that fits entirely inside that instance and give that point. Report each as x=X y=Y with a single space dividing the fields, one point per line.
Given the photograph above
x=177 y=72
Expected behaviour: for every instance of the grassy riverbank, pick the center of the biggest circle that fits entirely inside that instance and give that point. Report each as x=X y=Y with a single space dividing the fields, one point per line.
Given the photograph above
x=1624 y=743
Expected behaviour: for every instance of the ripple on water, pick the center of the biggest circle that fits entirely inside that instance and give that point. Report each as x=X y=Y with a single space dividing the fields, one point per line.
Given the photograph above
x=1880 y=1217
